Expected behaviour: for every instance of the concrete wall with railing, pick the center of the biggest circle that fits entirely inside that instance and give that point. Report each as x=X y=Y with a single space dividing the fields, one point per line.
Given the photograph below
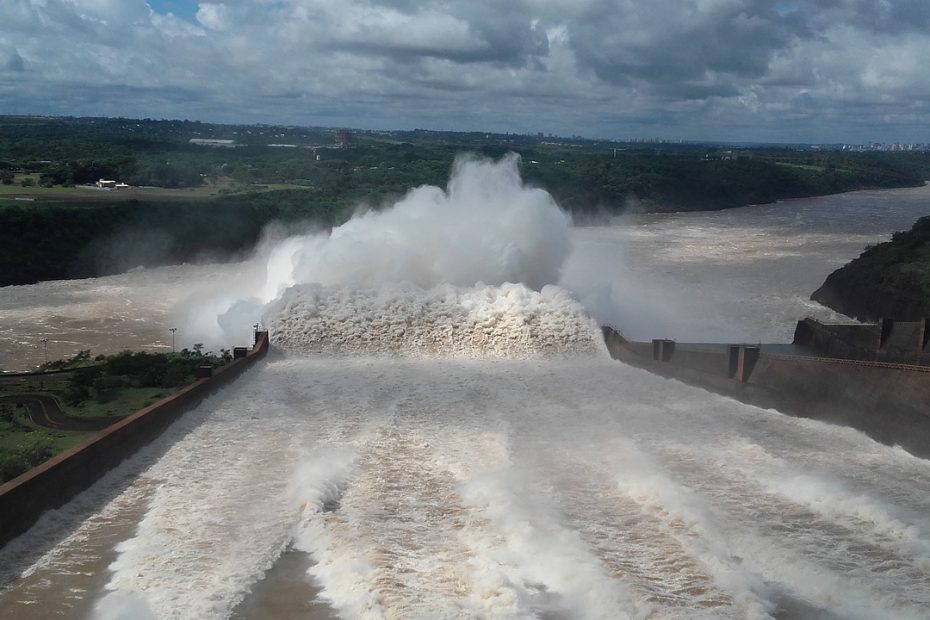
x=53 y=483
x=889 y=402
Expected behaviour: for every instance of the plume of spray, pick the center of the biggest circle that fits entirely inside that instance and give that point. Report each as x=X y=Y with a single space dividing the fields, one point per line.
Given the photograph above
x=486 y=229
x=486 y=226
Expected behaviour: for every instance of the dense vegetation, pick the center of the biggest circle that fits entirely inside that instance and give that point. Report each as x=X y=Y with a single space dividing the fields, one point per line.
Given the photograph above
x=23 y=447
x=44 y=241
x=663 y=181
x=293 y=174
x=890 y=279
x=104 y=377
x=92 y=389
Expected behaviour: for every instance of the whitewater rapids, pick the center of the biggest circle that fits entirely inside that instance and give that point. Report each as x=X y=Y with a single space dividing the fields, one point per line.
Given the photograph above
x=509 y=321
x=488 y=488
x=431 y=448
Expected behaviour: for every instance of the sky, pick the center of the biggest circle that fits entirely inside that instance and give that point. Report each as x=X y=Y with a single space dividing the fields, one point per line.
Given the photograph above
x=838 y=71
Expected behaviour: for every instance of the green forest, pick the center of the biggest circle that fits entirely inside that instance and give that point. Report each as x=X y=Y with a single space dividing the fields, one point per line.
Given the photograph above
x=197 y=200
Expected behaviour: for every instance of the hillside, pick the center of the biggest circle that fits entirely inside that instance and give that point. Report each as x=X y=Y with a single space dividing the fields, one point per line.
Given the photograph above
x=890 y=279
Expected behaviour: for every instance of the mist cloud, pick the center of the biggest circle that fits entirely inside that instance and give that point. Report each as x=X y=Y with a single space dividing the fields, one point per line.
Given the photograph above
x=485 y=228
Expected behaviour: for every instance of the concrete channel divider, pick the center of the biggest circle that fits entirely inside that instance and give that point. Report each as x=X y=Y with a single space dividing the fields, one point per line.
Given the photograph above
x=59 y=479
x=889 y=402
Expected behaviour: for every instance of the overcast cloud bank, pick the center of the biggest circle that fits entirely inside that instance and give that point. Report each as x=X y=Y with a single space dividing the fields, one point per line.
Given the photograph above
x=837 y=70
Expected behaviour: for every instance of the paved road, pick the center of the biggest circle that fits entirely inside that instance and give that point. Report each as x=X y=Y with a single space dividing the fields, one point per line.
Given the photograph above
x=44 y=410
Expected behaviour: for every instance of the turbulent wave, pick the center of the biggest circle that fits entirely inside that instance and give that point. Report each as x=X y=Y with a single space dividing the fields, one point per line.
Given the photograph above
x=437 y=488
x=506 y=321
x=465 y=271
x=416 y=277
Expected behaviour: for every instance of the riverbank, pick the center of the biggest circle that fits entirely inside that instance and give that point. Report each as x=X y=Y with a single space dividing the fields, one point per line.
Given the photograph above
x=888 y=280
x=57 y=239
x=47 y=412
x=54 y=482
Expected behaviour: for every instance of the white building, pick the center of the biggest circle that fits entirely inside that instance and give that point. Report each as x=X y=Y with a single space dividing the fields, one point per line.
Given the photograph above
x=212 y=142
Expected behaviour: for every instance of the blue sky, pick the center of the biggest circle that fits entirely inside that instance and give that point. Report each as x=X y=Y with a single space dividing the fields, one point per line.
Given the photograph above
x=748 y=70
x=185 y=9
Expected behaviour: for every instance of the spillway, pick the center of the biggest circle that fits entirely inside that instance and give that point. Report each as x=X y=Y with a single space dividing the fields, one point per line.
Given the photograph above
x=473 y=453
x=499 y=488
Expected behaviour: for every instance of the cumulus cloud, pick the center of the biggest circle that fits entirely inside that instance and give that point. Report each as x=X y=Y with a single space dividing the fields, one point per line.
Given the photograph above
x=741 y=69
x=214 y=16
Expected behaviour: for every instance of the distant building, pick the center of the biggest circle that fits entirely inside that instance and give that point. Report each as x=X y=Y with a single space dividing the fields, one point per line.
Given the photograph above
x=721 y=156
x=212 y=142
x=110 y=184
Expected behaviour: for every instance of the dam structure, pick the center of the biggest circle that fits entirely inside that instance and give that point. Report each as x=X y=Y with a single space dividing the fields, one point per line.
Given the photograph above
x=518 y=472
x=417 y=444
x=872 y=377
x=51 y=484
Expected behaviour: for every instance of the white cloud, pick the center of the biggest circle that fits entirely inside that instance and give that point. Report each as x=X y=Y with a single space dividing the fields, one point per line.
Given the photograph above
x=172 y=27
x=599 y=67
x=111 y=12
x=214 y=16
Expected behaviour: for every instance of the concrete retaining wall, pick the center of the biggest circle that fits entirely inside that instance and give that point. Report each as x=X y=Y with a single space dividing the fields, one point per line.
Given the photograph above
x=903 y=341
x=889 y=402
x=886 y=341
x=55 y=482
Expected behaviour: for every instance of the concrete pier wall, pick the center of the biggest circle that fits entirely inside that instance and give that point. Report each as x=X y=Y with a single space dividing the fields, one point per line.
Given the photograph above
x=889 y=402
x=55 y=482
x=886 y=341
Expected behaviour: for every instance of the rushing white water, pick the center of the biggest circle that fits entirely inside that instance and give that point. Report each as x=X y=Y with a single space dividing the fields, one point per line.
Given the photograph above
x=439 y=448
x=511 y=489
x=486 y=225
x=509 y=321
x=736 y=275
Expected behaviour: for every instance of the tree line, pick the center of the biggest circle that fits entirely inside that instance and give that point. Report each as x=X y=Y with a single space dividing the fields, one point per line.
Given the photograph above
x=44 y=240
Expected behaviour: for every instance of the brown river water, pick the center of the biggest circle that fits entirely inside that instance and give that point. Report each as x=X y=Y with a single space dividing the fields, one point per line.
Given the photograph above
x=478 y=486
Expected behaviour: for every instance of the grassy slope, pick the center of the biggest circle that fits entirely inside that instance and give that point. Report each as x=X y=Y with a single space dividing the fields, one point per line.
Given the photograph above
x=131 y=381
x=24 y=444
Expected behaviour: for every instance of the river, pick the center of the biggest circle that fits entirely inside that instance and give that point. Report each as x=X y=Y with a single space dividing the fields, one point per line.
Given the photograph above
x=741 y=274
x=549 y=487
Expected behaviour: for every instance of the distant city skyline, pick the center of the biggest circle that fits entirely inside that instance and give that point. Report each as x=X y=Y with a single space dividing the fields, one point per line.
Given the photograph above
x=773 y=71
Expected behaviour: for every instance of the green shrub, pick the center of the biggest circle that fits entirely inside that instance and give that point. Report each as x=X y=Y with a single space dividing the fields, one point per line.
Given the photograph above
x=32 y=451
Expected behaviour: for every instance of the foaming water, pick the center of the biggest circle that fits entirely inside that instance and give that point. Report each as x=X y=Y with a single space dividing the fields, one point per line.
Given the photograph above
x=508 y=321
x=652 y=275
x=485 y=228
x=550 y=488
x=439 y=448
